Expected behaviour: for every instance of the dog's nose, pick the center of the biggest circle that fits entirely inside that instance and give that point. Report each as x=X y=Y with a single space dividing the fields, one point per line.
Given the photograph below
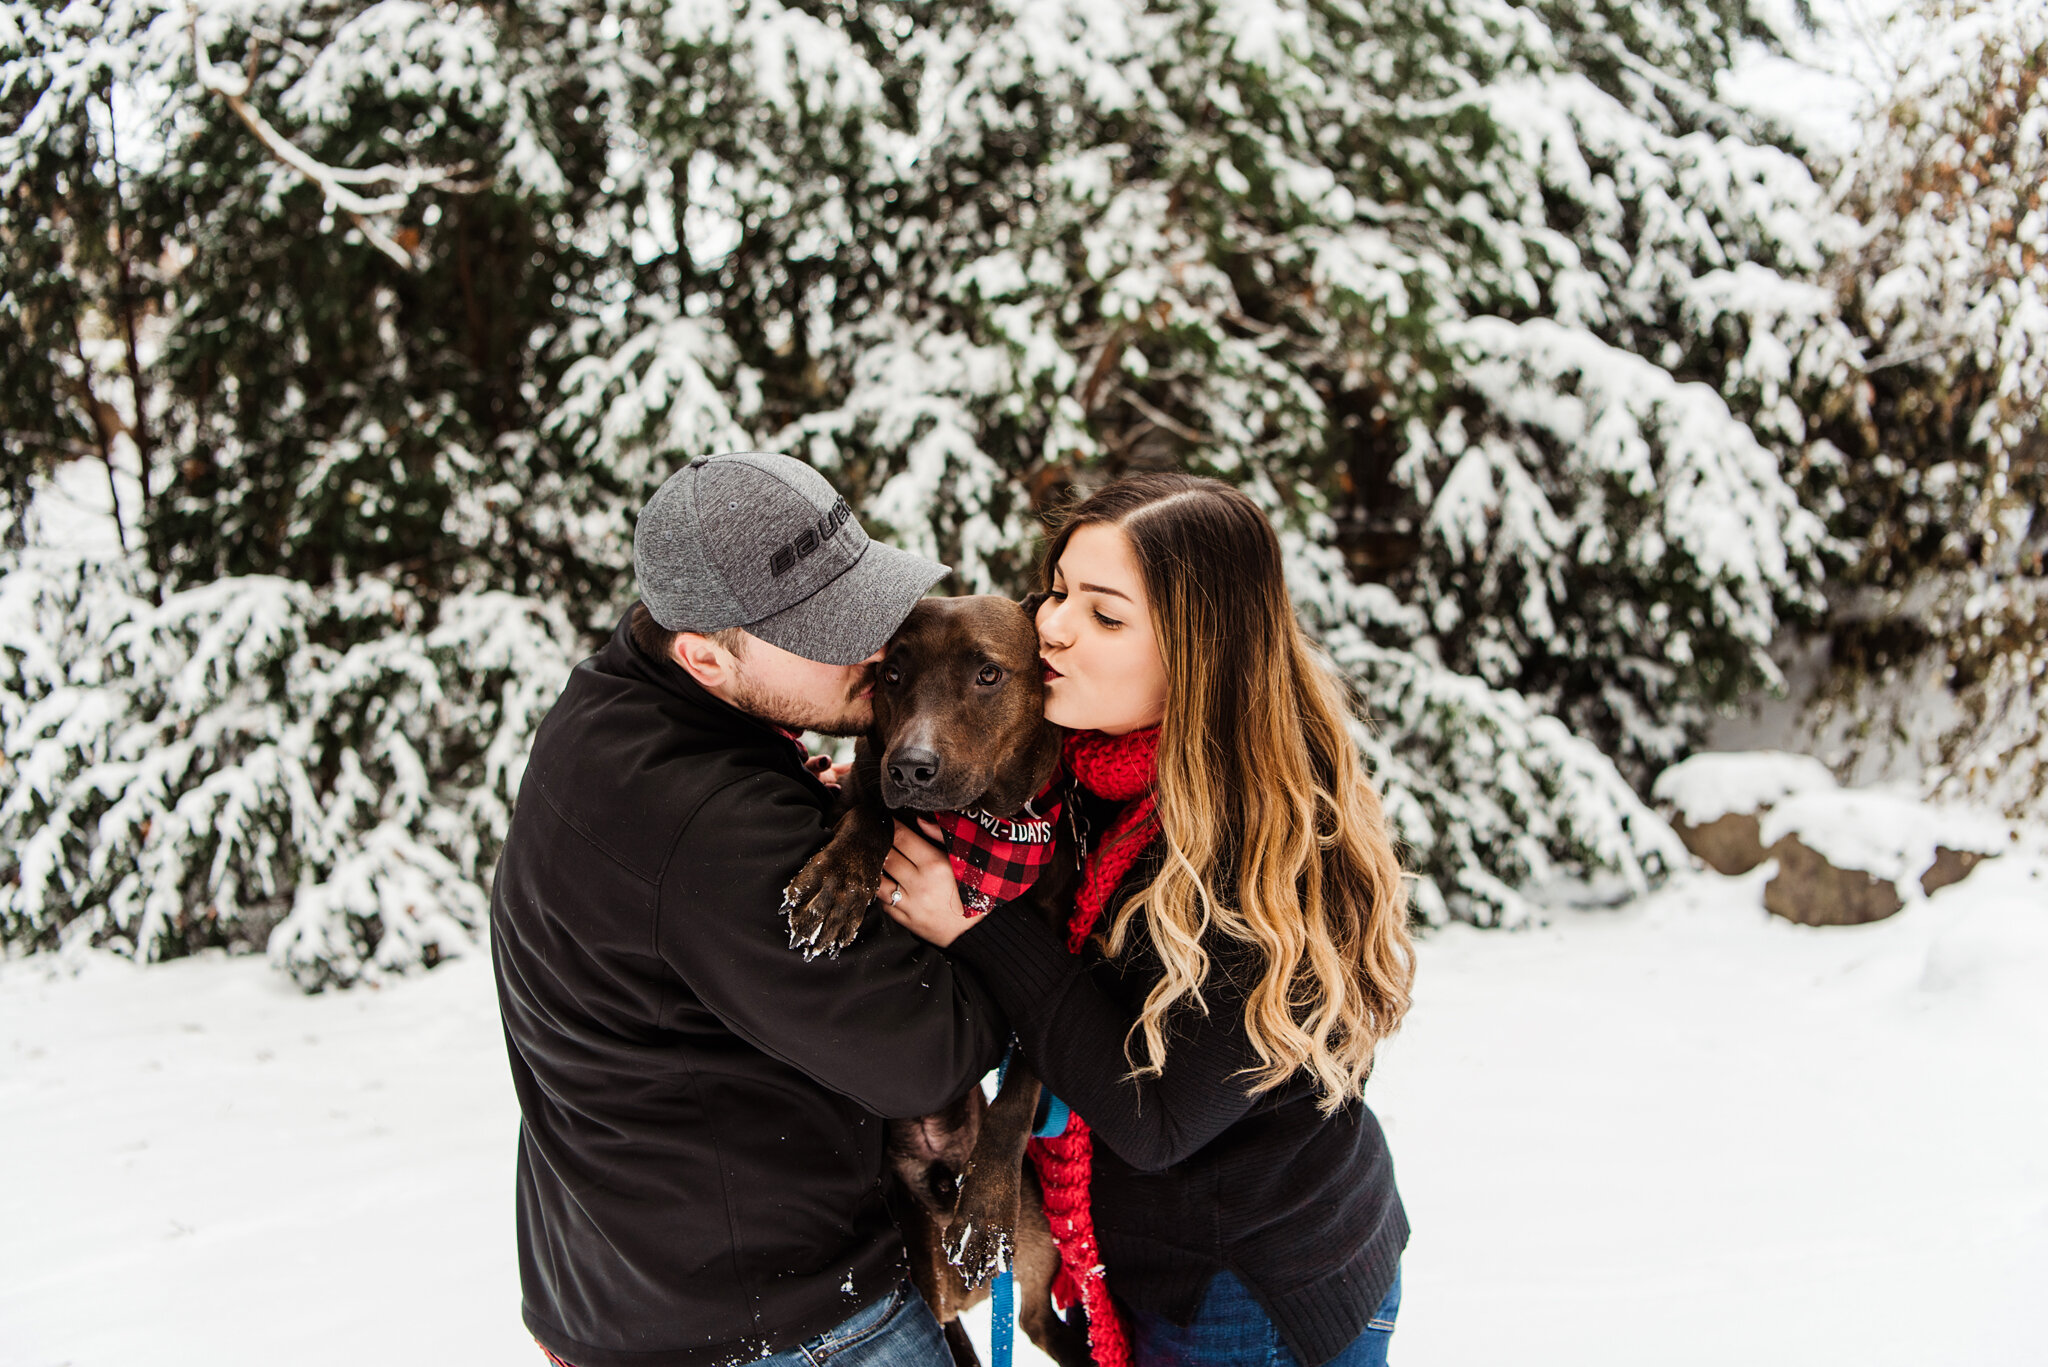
x=914 y=768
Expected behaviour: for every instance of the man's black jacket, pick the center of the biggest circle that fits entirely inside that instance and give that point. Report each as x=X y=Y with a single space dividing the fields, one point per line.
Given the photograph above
x=700 y=1159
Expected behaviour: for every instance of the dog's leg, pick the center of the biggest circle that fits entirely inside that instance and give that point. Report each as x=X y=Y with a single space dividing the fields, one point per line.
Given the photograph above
x=935 y=1278
x=961 y=1346
x=1065 y=1341
x=981 y=1237
x=828 y=899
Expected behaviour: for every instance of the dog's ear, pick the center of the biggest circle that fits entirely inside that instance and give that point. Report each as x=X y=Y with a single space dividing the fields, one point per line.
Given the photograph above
x=1029 y=602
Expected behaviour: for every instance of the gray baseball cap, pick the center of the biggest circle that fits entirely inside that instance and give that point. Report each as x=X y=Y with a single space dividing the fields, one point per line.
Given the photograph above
x=763 y=542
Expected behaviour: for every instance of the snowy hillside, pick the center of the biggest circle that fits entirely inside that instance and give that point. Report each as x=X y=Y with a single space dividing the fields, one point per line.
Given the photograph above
x=1678 y=1132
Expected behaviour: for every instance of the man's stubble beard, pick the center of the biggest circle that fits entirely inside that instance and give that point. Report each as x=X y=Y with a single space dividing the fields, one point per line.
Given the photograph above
x=851 y=716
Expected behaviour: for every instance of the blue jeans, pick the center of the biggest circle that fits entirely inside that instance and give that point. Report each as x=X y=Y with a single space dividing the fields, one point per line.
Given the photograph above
x=1231 y=1330
x=896 y=1331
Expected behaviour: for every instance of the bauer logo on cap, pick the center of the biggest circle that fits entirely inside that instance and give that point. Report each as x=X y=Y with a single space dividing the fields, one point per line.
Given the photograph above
x=808 y=540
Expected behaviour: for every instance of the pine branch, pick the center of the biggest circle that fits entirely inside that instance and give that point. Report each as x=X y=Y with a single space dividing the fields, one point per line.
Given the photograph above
x=65 y=446
x=1164 y=419
x=1911 y=355
x=334 y=181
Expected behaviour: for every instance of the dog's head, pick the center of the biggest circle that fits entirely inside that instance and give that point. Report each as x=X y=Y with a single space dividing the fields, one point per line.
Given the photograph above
x=960 y=709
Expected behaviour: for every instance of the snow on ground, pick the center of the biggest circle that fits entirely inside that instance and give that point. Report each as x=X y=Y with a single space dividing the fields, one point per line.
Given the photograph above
x=1670 y=1133
x=203 y=1165
x=1684 y=1132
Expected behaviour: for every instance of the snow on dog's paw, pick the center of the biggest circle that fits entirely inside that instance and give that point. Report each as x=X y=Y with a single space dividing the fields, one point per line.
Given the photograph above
x=828 y=900
x=978 y=1250
x=826 y=921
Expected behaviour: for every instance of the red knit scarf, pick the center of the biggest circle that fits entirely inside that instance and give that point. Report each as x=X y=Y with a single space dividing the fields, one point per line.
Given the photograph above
x=1120 y=769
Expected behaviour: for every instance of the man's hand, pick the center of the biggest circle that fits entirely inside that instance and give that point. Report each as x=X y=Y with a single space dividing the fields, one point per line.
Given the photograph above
x=917 y=887
x=830 y=774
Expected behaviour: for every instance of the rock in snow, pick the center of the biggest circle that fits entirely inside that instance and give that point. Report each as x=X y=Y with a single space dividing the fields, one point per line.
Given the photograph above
x=1716 y=801
x=1845 y=857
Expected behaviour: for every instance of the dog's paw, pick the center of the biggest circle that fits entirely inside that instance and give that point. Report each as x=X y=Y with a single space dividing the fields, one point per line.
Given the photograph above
x=981 y=1236
x=978 y=1250
x=826 y=905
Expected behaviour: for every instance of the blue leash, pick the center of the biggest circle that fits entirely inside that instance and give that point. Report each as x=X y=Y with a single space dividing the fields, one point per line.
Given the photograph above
x=1002 y=1324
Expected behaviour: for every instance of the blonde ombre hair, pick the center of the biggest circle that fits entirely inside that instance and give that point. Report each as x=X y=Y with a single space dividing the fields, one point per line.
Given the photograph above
x=1275 y=838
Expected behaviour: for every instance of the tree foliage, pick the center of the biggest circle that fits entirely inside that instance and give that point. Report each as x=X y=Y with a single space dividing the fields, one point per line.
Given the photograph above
x=1511 y=325
x=1942 y=474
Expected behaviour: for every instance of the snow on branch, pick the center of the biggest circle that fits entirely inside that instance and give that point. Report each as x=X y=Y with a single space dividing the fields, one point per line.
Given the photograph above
x=334 y=181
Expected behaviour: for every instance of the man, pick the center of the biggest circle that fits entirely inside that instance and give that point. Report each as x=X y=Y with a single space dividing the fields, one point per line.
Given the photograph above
x=700 y=1157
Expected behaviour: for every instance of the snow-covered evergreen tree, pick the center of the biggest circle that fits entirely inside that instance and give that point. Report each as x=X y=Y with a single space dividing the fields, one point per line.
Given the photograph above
x=251 y=761
x=1493 y=307
x=1943 y=473
x=295 y=712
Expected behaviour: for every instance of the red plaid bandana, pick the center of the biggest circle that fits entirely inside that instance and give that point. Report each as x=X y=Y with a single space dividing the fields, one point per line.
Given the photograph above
x=996 y=859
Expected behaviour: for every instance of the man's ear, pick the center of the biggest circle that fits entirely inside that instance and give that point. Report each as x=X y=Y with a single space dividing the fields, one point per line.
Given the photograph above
x=703 y=659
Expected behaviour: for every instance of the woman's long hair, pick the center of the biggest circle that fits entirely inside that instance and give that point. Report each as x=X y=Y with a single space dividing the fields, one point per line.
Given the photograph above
x=1260 y=784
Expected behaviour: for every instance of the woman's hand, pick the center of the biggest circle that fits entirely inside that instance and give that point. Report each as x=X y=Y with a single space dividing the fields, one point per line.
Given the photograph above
x=918 y=890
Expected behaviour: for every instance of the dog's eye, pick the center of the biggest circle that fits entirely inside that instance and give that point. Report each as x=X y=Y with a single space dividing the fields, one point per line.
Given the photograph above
x=990 y=674
x=891 y=675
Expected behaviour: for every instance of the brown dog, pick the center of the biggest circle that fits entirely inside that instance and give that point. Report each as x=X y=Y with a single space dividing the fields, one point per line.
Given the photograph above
x=959 y=724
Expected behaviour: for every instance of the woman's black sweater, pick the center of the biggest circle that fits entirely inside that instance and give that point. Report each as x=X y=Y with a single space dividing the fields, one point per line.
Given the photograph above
x=1191 y=1174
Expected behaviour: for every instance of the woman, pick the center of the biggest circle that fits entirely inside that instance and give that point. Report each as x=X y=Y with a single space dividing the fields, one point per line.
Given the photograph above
x=1242 y=947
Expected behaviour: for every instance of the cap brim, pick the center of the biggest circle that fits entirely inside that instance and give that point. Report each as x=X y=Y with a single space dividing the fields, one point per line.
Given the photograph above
x=850 y=618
